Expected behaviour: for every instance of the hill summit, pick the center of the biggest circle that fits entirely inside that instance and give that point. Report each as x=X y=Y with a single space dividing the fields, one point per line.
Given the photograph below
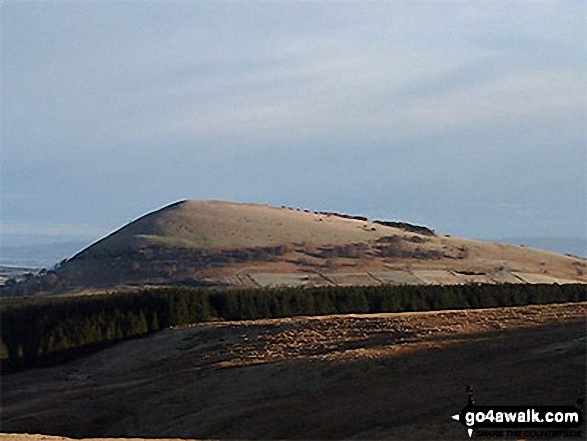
x=195 y=224
x=225 y=244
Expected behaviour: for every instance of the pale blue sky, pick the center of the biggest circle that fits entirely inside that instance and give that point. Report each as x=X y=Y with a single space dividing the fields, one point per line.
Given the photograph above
x=467 y=116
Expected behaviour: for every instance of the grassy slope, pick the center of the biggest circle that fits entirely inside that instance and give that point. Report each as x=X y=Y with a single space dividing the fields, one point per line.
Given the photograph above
x=214 y=226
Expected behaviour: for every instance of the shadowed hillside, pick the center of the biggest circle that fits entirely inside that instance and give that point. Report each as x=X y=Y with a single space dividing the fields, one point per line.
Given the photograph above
x=378 y=376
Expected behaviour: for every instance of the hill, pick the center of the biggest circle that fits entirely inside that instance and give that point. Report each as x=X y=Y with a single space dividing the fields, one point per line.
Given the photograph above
x=224 y=244
x=376 y=376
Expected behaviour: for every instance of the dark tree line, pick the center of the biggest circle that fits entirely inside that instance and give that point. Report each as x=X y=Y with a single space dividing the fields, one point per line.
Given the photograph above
x=407 y=227
x=40 y=331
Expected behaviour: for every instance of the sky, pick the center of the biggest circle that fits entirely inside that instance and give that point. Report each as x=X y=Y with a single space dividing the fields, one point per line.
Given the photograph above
x=466 y=116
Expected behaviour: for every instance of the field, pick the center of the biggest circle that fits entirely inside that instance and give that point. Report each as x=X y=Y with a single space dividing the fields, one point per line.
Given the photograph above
x=392 y=376
x=14 y=273
x=394 y=277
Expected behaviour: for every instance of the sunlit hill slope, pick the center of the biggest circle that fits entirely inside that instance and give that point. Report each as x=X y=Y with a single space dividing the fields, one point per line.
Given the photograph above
x=223 y=244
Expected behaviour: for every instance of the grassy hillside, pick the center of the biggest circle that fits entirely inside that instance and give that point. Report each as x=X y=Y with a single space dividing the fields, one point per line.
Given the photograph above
x=223 y=244
x=225 y=225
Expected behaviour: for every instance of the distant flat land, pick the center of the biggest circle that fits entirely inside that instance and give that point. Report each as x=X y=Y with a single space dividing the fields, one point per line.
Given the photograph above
x=15 y=272
x=386 y=376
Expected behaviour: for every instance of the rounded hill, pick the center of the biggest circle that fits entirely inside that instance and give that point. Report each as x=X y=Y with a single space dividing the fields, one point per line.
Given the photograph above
x=202 y=224
x=225 y=244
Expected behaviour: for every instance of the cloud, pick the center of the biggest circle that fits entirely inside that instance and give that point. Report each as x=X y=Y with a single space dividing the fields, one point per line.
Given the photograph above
x=369 y=70
x=166 y=100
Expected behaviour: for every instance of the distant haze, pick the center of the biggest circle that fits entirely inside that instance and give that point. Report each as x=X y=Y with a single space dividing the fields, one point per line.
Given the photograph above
x=39 y=256
x=466 y=116
x=574 y=246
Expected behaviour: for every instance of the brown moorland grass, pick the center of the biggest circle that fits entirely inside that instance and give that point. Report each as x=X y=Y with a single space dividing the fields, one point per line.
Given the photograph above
x=224 y=244
x=381 y=376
